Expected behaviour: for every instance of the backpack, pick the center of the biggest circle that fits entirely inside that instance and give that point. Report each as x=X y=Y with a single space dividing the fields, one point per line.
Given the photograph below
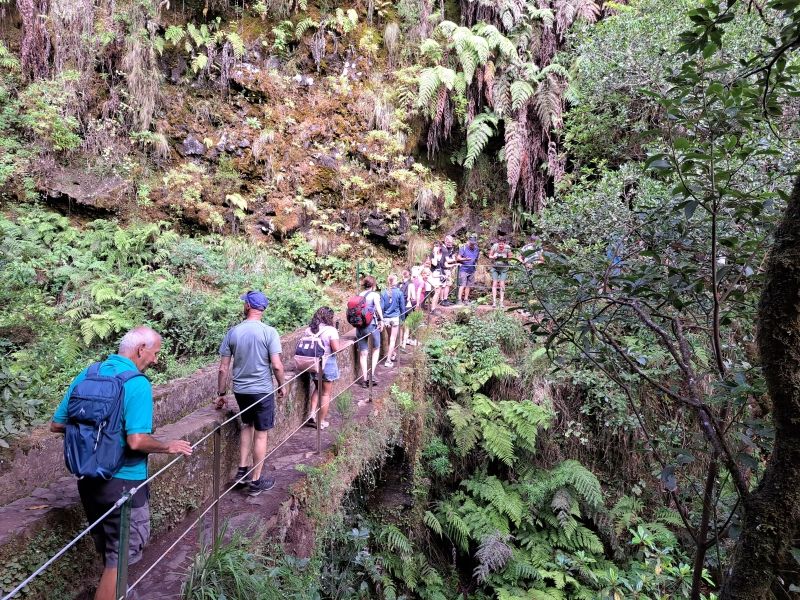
x=94 y=425
x=309 y=349
x=358 y=314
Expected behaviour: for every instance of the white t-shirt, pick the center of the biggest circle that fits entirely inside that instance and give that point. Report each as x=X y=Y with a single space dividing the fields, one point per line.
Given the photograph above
x=326 y=334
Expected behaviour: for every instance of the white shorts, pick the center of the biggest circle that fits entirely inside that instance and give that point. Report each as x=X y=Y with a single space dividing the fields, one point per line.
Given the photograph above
x=391 y=321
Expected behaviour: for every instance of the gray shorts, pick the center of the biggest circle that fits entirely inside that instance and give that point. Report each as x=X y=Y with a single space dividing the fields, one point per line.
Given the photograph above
x=466 y=279
x=97 y=496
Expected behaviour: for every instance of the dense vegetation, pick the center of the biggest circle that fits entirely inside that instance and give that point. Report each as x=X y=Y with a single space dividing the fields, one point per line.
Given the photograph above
x=69 y=292
x=652 y=146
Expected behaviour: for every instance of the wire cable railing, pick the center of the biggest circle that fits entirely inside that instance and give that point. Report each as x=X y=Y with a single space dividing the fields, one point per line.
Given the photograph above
x=124 y=505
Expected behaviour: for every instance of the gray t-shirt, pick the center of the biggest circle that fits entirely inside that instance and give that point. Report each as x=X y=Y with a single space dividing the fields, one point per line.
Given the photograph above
x=251 y=343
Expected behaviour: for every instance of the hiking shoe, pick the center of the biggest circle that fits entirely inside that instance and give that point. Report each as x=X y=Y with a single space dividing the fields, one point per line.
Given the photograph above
x=374 y=382
x=364 y=383
x=324 y=425
x=262 y=485
x=445 y=303
x=311 y=422
x=243 y=475
x=388 y=364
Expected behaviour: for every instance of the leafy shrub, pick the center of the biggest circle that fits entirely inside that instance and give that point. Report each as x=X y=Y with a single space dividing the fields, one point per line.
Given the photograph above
x=80 y=290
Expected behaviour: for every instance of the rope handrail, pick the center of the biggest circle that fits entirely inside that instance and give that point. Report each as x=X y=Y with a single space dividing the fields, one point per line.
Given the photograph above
x=194 y=523
x=130 y=493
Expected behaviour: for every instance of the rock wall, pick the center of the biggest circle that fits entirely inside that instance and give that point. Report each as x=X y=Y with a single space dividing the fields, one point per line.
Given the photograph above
x=41 y=510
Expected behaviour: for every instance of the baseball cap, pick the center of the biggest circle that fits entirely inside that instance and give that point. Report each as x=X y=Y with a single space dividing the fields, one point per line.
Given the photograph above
x=255 y=299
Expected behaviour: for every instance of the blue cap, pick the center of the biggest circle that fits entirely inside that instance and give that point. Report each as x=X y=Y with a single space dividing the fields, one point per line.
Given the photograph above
x=255 y=299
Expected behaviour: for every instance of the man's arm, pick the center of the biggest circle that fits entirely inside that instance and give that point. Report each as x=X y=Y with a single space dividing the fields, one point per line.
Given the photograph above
x=222 y=379
x=277 y=369
x=144 y=442
x=57 y=427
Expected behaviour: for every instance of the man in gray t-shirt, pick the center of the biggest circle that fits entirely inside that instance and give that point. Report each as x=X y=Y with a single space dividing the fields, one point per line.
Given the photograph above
x=255 y=350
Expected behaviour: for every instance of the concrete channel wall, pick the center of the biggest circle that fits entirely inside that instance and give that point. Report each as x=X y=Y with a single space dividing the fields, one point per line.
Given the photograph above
x=39 y=505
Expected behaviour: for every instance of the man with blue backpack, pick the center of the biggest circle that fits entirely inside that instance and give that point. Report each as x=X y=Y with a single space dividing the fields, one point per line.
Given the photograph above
x=107 y=418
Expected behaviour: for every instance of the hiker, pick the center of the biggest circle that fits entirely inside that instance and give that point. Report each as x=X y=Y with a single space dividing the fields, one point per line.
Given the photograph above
x=365 y=314
x=118 y=381
x=255 y=350
x=499 y=254
x=532 y=253
x=449 y=265
x=430 y=289
x=393 y=303
x=467 y=259
x=322 y=328
x=438 y=274
x=404 y=290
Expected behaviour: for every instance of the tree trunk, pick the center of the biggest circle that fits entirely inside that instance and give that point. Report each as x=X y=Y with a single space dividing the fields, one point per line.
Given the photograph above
x=772 y=510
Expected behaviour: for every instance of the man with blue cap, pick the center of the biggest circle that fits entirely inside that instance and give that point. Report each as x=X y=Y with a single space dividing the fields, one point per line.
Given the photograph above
x=255 y=350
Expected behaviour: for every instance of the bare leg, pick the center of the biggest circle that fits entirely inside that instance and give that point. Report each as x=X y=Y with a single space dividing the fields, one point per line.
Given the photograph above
x=393 y=341
x=494 y=292
x=460 y=293
x=327 y=387
x=313 y=401
x=245 y=445
x=376 y=354
x=466 y=294
x=107 y=588
x=362 y=361
x=502 y=292
x=259 y=452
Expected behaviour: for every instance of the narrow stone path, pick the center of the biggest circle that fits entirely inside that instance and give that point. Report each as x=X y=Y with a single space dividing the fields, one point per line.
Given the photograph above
x=243 y=512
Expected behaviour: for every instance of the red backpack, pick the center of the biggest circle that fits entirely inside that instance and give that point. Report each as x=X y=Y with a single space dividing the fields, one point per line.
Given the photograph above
x=358 y=314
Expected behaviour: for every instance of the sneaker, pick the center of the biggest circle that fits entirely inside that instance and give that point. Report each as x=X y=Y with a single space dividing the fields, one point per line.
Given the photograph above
x=324 y=425
x=311 y=422
x=374 y=382
x=388 y=364
x=243 y=475
x=262 y=485
x=364 y=383
x=445 y=303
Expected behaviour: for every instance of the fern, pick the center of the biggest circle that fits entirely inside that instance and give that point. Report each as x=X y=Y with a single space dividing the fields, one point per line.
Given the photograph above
x=430 y=520
x=521 y=92
x=516 y=138
x=304 y=25
x=175 y=34
x=625 y=513
x=499 y=442
x=237 y=44
x=479 y=132
x=199 y=62
x=394 y=539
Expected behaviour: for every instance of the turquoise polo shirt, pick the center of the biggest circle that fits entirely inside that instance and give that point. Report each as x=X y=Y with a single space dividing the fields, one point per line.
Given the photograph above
x=137 y=410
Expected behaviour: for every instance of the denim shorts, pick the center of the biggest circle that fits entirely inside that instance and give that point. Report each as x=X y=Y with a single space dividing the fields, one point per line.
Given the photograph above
x=330 y=372
x=363 y=340
x=499 y=273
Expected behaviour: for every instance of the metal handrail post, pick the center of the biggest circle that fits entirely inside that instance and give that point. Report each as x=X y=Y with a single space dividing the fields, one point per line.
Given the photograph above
x=124 y=548
x=318 y=417
x=370 y=367
x=215 y=483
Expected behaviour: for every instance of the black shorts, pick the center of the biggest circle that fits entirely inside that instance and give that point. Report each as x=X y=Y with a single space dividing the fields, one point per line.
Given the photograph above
x=97 y=496
x=262 y=415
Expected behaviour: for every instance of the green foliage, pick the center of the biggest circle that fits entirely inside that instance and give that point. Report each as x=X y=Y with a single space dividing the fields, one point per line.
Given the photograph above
x=480 y=130
x=79 y=290
x=329 y=268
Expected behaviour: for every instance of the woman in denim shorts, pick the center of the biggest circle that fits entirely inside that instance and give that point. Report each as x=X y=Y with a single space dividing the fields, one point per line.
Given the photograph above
x=322 y=322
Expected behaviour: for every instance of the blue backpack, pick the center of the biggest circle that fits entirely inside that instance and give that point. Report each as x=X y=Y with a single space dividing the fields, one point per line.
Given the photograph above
x=94 y=425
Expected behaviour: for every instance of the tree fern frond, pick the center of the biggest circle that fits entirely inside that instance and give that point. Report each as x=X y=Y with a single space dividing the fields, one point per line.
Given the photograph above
x=498 y=442
x=521 y=92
